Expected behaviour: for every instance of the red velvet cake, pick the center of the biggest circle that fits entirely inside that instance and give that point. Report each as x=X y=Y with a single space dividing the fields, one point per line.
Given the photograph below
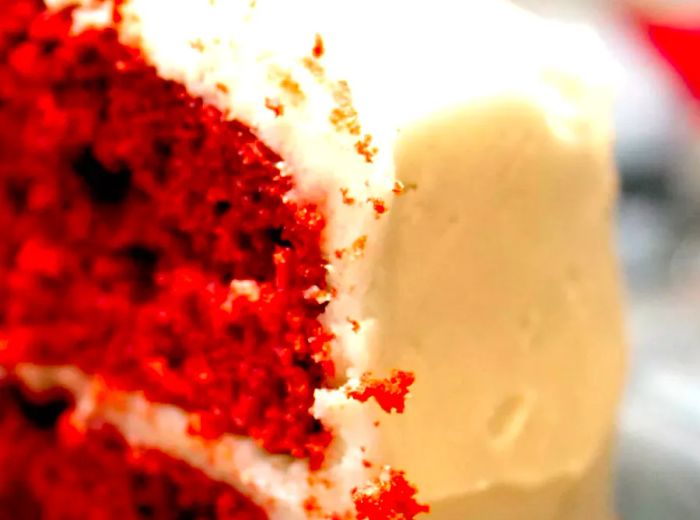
x=149 y=243
x=216 y=296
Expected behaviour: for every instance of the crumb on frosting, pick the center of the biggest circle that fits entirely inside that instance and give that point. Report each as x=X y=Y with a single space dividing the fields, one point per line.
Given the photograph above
x=389 y=496
x=275 y=105
x=319 y=47
x=390 y=393
x=378 y=205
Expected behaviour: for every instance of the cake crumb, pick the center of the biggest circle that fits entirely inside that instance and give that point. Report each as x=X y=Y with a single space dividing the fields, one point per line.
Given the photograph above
x=359 y=245
x=390 y=393
x=347 y=199
x=312 y=507
x=357 y=248
x=379 y=206
x=314 y=67
x=292 y=88
x=390 y=496
x=344 y=116
x=275 y=106
x=355 y=325
x=197 y=45
x=319 y=48
x=365 y=149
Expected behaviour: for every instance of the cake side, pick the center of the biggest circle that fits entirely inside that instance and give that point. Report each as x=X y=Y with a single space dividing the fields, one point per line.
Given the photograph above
x=518 y=337
x=497 y=282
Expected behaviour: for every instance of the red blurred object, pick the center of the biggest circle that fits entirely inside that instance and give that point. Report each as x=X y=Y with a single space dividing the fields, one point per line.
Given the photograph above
x=678 y=41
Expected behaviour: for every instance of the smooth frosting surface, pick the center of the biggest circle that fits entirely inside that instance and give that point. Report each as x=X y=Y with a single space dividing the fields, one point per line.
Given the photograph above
x=498 y=287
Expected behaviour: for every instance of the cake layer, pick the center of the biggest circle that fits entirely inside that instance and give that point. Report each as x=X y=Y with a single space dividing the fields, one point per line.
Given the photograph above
x=150 y=241
x=53 y=471
x=285 y=487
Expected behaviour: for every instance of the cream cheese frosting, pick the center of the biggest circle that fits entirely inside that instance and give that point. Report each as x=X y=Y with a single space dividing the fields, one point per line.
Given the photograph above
x=492 y=277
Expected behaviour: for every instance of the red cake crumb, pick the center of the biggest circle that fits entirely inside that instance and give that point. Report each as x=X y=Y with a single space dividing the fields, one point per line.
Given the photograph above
x=344 y=116
x=357 y=248
x=53 y=472
x=292 y=89
x=359 y=245
x=379 y=206
x=365 y=149
x=312 y=507
x=128 y=208
x=319 y=48
x=389 y=393
x=275 y=106
x=347 y=199
x=389 y=497
x=355 y=324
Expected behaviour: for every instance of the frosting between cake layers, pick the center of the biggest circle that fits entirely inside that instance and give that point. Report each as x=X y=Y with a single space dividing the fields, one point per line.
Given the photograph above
x=275 y=482
x=529 y=102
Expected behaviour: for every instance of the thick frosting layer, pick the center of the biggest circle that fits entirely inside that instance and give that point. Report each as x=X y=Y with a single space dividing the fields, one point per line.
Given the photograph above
x=497 y=286
x=496 y=282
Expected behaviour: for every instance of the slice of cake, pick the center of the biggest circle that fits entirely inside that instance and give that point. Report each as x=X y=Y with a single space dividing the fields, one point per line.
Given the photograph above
x=289 y=260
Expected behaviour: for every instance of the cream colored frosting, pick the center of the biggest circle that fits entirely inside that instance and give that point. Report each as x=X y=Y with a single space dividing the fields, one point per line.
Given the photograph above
x=492 y=277
x=497 y=286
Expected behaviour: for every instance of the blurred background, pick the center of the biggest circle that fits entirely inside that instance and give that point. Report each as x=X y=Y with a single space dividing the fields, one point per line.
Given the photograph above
x=657 y=114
